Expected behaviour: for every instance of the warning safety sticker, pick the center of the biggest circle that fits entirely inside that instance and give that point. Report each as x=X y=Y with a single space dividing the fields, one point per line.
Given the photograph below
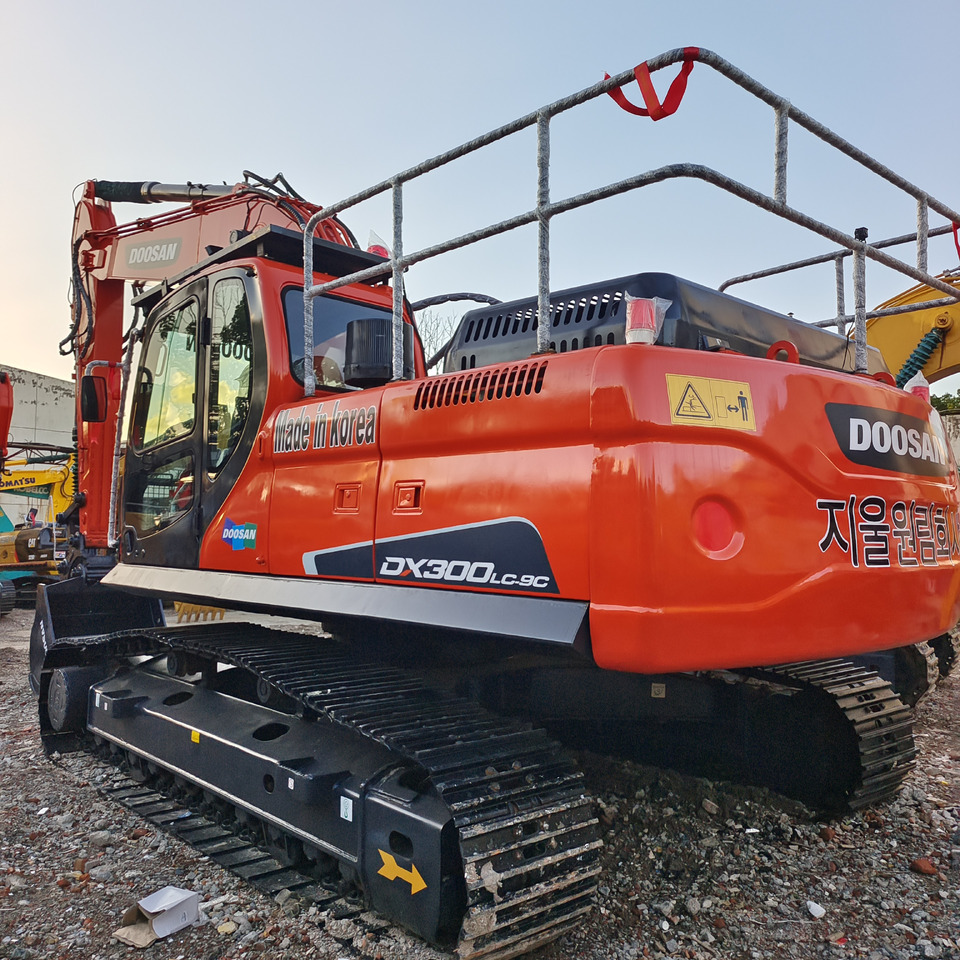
x=710 y=403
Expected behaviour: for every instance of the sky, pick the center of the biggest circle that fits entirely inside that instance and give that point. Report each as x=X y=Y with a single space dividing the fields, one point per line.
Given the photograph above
x=338 y=96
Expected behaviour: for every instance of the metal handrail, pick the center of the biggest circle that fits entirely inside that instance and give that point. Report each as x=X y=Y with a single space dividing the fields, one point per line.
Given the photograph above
x=838 y=256
x=545 y=210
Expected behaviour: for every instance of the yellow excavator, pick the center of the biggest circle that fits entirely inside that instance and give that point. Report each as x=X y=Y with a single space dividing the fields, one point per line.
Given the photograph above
x=30 y=551
x=49 y=480
x=925 y=339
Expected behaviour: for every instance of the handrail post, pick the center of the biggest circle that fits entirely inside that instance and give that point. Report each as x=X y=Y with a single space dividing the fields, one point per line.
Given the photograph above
x=923 y=232
x=841 y=296
x=543 y=219
x=860 y=299
x=309 y=375
x=397 y=280
x=781 y=126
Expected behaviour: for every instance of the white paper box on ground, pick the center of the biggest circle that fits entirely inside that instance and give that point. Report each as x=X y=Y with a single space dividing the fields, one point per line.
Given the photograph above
x=158 y=915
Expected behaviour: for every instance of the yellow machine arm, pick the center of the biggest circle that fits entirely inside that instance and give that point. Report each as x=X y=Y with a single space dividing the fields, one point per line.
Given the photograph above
x=45 y=481
x=929 y=339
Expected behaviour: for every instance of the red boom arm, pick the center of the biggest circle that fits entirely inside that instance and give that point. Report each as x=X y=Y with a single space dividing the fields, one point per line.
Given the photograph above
x=106 y=256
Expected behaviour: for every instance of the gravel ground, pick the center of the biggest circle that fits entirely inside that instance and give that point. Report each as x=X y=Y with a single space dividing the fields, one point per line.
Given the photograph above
x=692 y=869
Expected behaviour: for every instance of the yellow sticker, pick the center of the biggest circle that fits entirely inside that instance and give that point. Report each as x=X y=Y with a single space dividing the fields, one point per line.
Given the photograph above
x=393 y=871
x=195 y=736
x=710 y=403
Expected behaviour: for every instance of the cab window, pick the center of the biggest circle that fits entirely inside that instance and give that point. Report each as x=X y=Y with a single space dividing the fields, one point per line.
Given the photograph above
x=230 y=364
x=165 y=401
x=156 y=497
x=330 y=318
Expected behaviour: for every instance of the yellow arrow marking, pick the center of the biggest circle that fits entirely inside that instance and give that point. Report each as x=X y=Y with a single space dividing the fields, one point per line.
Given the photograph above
x=393 y=871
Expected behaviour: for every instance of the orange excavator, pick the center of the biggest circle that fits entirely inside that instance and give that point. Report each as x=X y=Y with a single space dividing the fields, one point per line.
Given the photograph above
x=614 y=504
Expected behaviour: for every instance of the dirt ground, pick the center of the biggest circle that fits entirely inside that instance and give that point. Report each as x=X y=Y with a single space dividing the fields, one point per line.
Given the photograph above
x=692 y=868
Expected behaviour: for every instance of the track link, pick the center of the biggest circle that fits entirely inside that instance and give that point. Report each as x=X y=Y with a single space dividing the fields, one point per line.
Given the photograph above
x=528 y=837
x=213 y=840
x=880 y=722
x=947 y=649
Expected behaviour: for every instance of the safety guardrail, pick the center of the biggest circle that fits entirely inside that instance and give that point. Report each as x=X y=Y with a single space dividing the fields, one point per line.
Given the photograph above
x=545 y=210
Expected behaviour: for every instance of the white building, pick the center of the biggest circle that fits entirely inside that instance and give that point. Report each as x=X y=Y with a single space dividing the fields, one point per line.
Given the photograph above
x=43 y=413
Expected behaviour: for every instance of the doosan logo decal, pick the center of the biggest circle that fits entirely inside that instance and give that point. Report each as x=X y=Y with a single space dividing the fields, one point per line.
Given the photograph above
x=887 y=440
x=239 y=535
x=159 y=253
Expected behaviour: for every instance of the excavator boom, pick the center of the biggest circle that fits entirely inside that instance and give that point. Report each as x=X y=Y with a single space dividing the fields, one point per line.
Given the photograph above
x=6 y=413
x=926 y=339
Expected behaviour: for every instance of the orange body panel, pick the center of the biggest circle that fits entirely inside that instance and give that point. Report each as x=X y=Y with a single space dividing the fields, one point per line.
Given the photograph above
x=697 y=546
x=673 y=593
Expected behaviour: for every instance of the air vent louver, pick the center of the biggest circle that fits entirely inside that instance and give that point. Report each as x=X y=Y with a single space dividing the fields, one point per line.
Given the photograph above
x=490 y=383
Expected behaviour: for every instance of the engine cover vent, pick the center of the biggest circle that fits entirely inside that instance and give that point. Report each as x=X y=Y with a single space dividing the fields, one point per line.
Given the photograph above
x=489 y=383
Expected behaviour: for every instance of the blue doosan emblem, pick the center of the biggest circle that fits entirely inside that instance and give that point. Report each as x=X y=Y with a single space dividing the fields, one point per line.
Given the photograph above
x=239 y=535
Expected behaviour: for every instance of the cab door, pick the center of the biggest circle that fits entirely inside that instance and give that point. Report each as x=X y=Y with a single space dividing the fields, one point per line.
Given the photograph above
x=193 y=418
x=161 y=506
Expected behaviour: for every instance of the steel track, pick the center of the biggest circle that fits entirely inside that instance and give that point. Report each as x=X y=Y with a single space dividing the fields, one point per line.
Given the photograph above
x=880 y=722
x=528 y=836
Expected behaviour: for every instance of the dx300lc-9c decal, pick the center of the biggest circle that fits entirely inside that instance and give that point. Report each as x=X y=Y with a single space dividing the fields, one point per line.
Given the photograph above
x=505 y=554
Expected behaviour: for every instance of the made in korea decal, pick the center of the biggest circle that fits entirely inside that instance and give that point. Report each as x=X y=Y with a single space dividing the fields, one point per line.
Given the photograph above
x=324 y=426
x=887 y=440
x=873 y=532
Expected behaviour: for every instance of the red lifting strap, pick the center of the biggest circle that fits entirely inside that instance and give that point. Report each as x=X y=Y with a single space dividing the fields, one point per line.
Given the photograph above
x=656 y=110
x=956 y=238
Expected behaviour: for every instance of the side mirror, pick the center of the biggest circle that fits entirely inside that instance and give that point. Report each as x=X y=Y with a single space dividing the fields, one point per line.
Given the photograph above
x=93 y=399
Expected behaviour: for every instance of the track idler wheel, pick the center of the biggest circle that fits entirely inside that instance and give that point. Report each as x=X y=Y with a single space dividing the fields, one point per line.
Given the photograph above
x=68 y=694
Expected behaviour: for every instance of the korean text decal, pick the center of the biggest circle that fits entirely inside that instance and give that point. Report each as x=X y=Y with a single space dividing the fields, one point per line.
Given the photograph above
x=874 y=533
